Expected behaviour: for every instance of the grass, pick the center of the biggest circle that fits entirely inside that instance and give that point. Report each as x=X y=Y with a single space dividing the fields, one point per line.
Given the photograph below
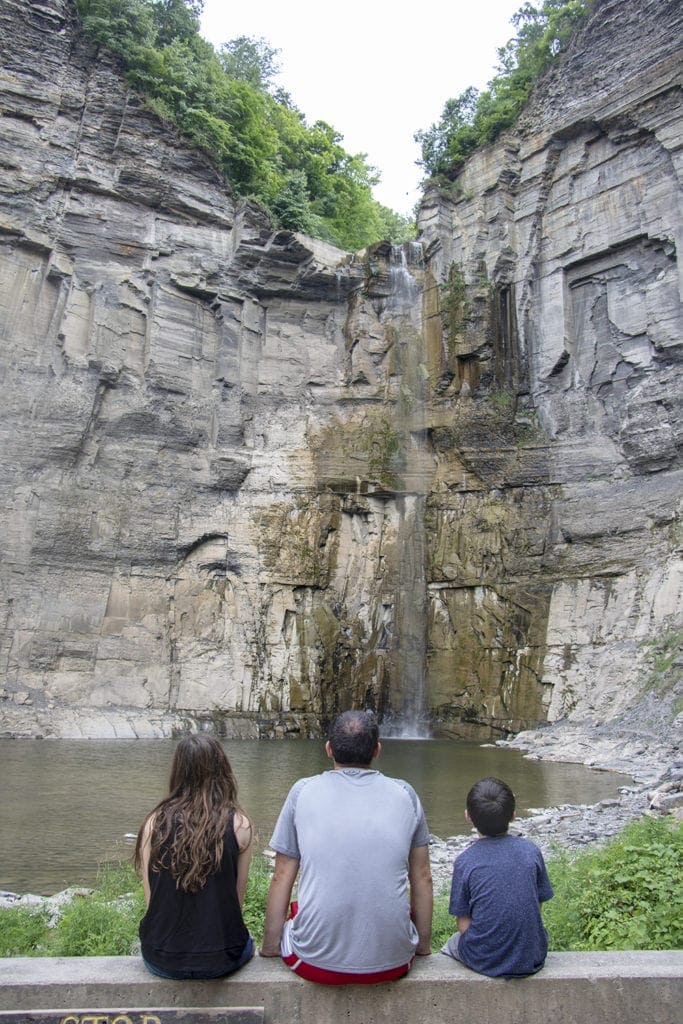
x=625 y=895
x=105 y=923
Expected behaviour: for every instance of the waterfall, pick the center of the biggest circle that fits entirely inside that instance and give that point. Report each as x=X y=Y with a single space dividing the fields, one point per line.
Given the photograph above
x=411 y=614
x=404 y=307
x=404 y=289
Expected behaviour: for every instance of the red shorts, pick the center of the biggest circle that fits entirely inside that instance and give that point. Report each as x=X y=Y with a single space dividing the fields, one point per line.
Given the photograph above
x=325 y=977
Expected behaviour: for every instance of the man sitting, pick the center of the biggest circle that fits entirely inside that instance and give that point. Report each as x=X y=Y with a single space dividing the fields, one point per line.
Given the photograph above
x=360 y=839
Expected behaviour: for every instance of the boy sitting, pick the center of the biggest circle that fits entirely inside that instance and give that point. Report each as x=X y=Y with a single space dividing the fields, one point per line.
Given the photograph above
x=498 y=885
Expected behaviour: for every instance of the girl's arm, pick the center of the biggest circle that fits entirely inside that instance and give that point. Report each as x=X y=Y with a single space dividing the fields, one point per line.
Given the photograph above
x=145 y=850
x=244 y=836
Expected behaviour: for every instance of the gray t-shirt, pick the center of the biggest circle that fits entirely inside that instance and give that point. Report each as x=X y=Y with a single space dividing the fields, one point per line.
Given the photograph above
x=353 y=830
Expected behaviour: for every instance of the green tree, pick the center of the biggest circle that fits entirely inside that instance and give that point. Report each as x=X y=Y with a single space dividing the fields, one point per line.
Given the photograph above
x=475 y=119
x=291 y=205
x=176 y=19
x=224 y=103
x=250 y=60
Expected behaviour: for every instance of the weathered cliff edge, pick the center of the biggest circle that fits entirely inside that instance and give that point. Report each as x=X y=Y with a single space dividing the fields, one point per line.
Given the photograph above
x=249 y=480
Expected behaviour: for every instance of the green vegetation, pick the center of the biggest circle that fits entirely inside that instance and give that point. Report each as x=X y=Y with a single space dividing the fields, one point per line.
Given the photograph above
x=626 y=895
x=665 y=654
x=254 y=911
x=105 y=923
x=665 y=651
x=474 y=119
x=22 y=931
x=380 y=441
x=224 y=103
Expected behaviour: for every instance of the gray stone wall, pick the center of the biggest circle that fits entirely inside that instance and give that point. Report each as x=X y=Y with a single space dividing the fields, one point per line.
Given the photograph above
x=572 y=221
x=249 y=480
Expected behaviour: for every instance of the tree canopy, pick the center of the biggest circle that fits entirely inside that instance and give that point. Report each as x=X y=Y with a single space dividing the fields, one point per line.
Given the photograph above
x=474 y=119
x=223 y=102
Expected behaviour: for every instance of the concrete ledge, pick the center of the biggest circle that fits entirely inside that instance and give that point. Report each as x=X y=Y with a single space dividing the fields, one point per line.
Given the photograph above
x=573 y=988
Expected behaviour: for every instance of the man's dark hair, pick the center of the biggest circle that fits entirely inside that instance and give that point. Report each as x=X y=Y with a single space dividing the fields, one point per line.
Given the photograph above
x=491 y=806
x=353 y=737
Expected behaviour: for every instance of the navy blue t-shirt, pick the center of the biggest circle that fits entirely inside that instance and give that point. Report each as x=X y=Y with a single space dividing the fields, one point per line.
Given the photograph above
x=500 y=883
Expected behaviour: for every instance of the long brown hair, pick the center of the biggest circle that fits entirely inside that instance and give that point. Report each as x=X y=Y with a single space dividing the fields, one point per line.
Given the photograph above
x=195 y=814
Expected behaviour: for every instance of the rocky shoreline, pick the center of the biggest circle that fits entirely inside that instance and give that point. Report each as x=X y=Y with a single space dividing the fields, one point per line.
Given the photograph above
x=643 y=742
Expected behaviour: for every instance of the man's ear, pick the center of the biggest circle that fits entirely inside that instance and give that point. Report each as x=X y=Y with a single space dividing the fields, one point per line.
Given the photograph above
x=328 y=750
x=377 y=750
x=467 y=816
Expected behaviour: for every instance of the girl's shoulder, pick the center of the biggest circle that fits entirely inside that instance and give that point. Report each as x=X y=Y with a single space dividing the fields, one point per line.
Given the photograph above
x=242 y=828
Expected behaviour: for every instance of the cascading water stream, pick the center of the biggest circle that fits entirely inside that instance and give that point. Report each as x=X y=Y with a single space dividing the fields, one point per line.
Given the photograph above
x=404 y=306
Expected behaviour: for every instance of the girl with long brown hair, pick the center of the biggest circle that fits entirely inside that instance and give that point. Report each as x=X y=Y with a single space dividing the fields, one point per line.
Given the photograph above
x=193 y=852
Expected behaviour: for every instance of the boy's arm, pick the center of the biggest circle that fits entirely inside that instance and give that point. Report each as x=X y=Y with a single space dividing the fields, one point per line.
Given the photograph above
x=463 y=923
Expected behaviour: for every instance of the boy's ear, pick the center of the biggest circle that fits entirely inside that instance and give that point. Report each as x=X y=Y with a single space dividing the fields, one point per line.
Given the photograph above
x=467 y=816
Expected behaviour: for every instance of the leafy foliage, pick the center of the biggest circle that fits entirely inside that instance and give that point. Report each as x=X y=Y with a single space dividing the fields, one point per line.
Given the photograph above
x=94 y=926
x=22 y=931
x=628 y=895
x=474 y=118
x=223 y=103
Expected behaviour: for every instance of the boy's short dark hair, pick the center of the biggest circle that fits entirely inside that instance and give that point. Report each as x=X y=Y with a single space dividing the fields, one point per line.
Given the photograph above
x=491 y=806
x=353 y=737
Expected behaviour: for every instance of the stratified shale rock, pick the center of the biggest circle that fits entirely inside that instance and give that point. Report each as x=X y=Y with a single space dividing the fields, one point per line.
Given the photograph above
x=570 y=227
x=249 y=480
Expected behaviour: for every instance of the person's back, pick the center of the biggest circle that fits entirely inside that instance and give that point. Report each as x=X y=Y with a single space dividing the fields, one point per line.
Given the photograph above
x=355 y=828
x=358 y=837
x=498 y=885
x=193 y=852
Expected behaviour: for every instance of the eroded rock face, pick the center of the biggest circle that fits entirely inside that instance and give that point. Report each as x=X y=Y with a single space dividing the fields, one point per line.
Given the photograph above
x=573 y=224
x=250 y=480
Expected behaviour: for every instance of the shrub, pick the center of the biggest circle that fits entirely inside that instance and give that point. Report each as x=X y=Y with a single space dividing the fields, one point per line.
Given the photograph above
x=22 y=931
x=93 y=926
x=627 y=895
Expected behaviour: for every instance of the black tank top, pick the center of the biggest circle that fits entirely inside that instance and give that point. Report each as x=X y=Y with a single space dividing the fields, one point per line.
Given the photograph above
x=196 y=931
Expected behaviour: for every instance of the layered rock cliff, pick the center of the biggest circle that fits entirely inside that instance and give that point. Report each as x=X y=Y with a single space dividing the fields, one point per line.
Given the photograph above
x=250 y=480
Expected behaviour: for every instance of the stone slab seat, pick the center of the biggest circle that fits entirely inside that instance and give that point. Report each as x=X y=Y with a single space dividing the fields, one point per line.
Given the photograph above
x=573 y=988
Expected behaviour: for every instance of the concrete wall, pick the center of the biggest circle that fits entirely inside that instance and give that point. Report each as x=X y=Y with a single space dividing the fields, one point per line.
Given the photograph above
x=573 y=988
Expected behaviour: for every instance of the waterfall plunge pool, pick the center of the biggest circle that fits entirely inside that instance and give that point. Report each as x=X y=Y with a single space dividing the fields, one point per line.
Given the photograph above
x=66 y=806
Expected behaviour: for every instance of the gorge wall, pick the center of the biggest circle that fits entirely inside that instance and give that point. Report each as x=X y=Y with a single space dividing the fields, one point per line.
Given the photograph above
x=249 y=480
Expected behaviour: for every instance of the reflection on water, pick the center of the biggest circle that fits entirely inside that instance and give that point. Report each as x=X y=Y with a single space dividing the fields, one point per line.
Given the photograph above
x=66 y=805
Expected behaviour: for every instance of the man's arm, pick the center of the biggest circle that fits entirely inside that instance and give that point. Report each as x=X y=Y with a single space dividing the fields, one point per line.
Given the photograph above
x=421 y=897
x=463 y=923
x=286 y=869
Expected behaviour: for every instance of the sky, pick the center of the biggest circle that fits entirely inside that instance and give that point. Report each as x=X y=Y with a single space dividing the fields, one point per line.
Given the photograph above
x=376 y=71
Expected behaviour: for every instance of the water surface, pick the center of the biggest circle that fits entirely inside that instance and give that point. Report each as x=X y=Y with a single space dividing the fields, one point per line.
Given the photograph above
x=67 y=805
